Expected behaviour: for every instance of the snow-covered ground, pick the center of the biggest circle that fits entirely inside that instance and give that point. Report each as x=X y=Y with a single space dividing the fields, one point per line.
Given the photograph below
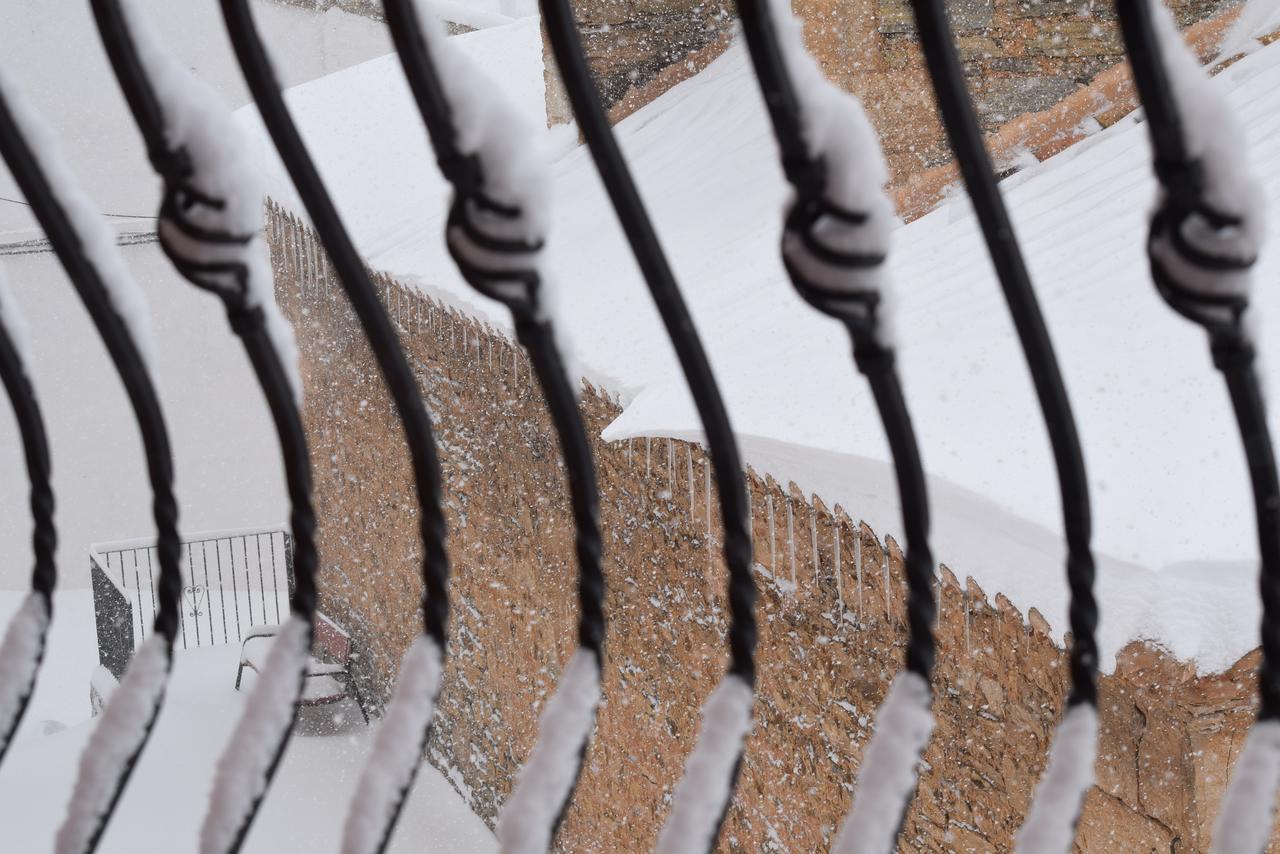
x=161 y=814
x=1173 y=518
x=225 y=450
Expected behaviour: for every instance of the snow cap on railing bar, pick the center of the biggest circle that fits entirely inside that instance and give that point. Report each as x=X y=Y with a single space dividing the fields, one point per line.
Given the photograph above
x=96 y=241
x=21 y=652
x=211 y=217
x=500 y=170
x=1209 y=222
x=839 y=222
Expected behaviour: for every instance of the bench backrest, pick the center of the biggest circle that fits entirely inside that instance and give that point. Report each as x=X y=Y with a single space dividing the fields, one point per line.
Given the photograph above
x=331 y=640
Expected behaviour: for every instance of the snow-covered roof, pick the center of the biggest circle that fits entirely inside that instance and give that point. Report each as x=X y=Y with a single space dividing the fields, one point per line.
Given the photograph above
x=316 y=780
x=1173 y=515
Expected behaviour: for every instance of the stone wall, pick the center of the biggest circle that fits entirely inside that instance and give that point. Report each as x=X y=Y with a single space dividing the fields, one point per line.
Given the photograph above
x=831 y=615
x=1109 y=97
x=1019 y=56
x=628 y=43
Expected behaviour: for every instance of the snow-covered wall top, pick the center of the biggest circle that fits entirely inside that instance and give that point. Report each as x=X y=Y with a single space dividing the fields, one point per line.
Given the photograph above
x=1174 y=526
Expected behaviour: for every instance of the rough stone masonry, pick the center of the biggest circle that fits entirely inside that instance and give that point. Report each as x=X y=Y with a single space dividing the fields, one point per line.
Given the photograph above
x=1019 y=56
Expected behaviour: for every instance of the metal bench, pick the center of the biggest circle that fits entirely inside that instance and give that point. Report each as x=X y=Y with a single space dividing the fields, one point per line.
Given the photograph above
x=329 y=678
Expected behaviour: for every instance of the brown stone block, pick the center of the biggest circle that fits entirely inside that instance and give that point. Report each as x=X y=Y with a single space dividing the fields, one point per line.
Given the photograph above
x=1108 y=825
x=894 y=16
x=977 y=47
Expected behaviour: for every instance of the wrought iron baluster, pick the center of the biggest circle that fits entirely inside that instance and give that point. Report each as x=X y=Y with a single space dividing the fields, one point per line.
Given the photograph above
x=383 y=340
x=495 y=240
x=731 y=702
x=1203 y=243
x=22 y=650
x=95 y=796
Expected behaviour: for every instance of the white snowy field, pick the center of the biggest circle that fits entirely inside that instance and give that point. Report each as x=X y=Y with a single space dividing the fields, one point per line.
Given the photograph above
x=1174 y=528
x=224 y=448
x=161 y=813
x=225 y=451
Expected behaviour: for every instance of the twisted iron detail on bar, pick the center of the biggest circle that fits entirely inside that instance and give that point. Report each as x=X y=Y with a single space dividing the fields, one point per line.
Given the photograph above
x=219 y=260
x=127 y=357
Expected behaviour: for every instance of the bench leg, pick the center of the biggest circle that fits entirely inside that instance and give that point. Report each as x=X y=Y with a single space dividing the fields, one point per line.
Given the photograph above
x=239 y=673
x=355 y=695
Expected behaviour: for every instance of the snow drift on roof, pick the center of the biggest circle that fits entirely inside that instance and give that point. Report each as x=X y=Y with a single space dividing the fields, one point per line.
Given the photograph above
x=1173 y=516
